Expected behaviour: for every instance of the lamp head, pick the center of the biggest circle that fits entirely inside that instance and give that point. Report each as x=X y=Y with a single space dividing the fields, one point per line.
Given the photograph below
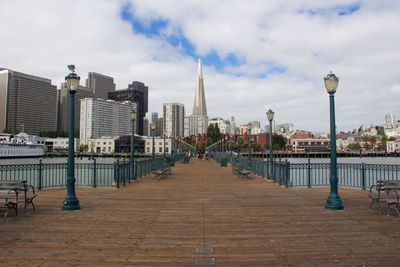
x=270 y=115
x=72 y=80
x=133 y=114
x=153 y=126
x=331 y=83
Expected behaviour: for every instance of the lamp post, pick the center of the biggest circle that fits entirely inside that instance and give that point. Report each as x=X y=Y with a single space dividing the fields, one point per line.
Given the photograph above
x=71 y=202
x=133 y=119
x=270 y=117
x=153 y=128
x=333 y=202
x=164 y=146
x=248 y=142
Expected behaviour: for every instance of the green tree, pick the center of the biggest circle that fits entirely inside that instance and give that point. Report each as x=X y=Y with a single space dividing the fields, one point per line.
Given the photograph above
x=83 y=148
x=278 y=142
x=213 y=133
x=354 y=146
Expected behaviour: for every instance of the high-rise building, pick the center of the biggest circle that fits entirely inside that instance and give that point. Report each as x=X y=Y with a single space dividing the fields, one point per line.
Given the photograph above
x=197 y=123
x=173 y=115
x=233 y=125
x=390 y=120
x=199 y=105
x=138 y=93
x=63 y=105
x=27 y=102
x=100 y=84
x=154 y=117
x=104 y=118
x=160 y=127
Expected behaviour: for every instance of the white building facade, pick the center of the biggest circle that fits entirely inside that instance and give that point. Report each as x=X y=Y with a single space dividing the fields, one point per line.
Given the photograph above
x=104 y=118
x=173 y=119
x=195 y=125
x=158 y=146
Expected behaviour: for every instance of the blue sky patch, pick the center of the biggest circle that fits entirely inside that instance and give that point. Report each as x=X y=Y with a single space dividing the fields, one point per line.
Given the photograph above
x=345 y=10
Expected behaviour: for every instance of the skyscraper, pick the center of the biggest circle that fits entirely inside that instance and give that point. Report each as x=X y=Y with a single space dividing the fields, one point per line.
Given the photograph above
x=104 y=118
x=138 y=93
x=197 y=123
x=100 y=84
x=27 y=102
x=173 y=115
x=199 y=105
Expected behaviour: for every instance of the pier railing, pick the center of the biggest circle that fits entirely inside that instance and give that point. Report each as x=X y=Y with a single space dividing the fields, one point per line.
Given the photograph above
x=46 y=175
x=309 y=174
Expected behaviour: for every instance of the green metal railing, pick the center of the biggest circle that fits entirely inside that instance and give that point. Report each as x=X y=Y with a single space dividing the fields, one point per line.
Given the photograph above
x=46 y=175
x=309 y=174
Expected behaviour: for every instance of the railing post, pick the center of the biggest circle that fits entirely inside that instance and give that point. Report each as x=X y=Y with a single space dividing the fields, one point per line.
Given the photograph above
x=116 y=172
x=287 y=174
x=123 y=172
x=309 y=173
x=94 y=173
x=363 y=178
x=40 y=174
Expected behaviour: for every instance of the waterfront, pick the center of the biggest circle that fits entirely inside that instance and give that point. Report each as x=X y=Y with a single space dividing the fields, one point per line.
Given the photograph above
x=367 y=160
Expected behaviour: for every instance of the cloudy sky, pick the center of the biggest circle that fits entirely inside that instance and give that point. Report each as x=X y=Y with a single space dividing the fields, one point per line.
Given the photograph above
x=257 y=54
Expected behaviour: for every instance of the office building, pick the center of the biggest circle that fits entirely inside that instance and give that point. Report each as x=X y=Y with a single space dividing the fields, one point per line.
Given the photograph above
x=138 y=93
x=173 y=116
x=27 y=103
x=104 y=118
x=63 y=105
x=100 y=84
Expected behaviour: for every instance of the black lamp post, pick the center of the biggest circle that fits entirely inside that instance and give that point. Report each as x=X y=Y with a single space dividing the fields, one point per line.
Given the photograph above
x=270 y=117
x=333 y=202
x=71 y=202
x=133 y=119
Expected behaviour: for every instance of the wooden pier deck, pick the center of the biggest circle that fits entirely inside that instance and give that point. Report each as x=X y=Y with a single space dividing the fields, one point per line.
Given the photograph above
x=201 y=216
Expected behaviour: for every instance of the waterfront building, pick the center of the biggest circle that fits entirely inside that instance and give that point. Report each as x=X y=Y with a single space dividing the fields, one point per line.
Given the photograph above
x=101 y=145
x=174 y=115
x=59 y=144
x=137 y=92
x=158 y=145
x=223 y=125
x=100 y=84
x=197 y=123
x=104 y=118
x=310 y=145
x=27 y=103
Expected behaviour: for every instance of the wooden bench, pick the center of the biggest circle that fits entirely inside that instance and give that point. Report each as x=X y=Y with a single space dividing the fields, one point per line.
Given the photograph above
x=386 y=193
x=239 y=171
x=163 y=172
x=14 y=192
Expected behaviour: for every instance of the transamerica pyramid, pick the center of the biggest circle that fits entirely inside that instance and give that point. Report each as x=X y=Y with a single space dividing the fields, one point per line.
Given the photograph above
x=199 y=106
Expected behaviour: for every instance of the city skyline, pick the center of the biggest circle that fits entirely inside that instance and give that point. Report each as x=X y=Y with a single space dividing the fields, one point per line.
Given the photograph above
x=274 y=56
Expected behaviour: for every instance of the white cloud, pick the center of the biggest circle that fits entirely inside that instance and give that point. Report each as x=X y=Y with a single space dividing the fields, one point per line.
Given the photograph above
x=43 y=36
